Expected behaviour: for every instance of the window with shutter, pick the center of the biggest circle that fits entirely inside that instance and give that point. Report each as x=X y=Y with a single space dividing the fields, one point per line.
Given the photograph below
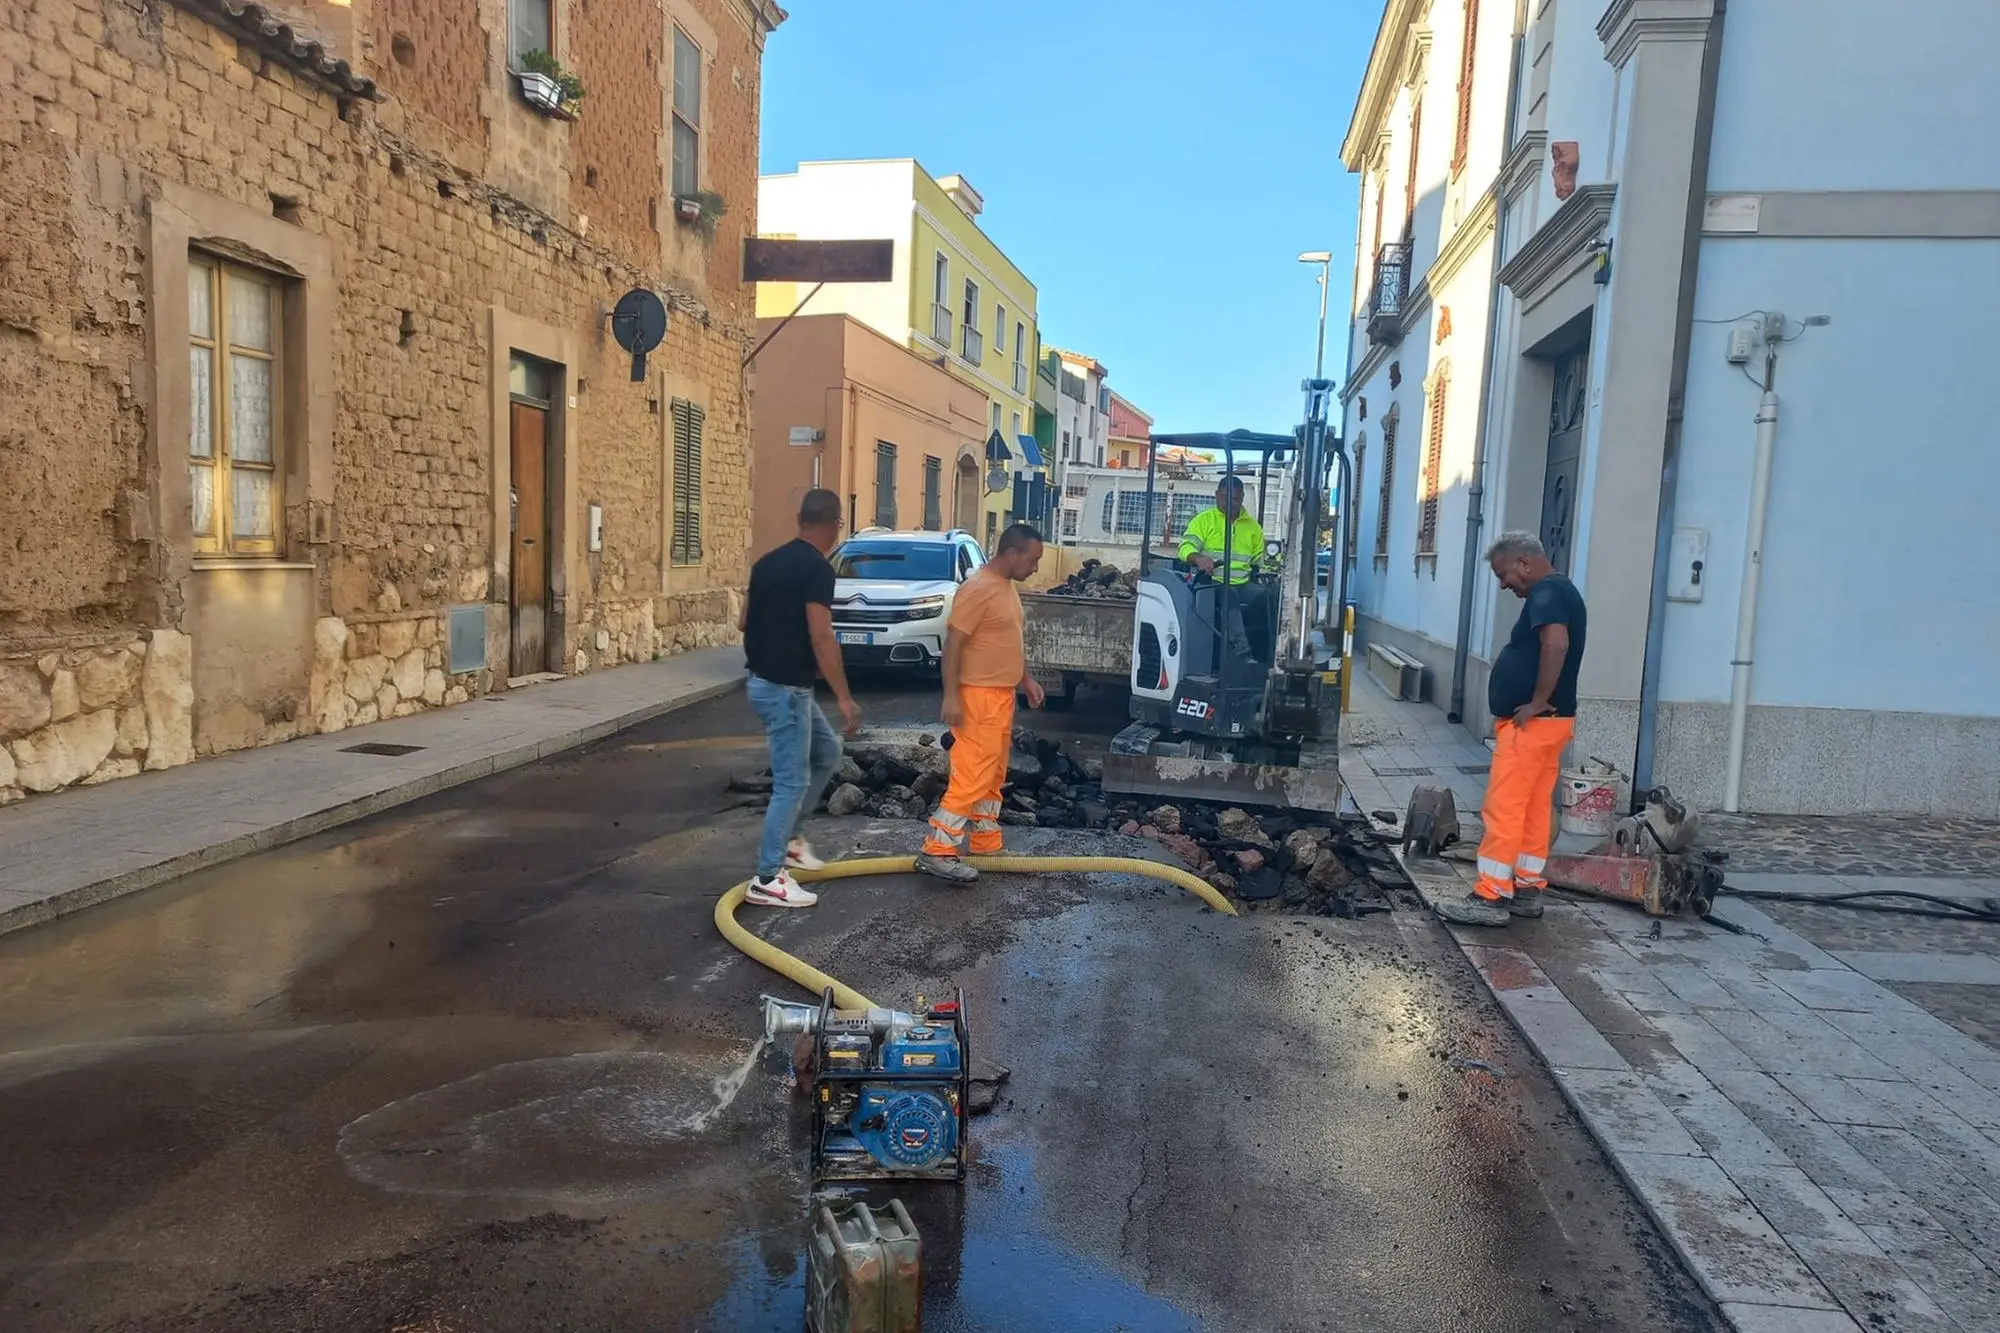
x=1354 y=529
x=885 y=484
x=688 y=421
x=1388 y=491
x=1427 y=489
x=933 y=494
x=1468 y=52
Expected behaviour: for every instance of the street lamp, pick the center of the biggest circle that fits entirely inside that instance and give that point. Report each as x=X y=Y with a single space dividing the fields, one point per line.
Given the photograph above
x=1324 y=258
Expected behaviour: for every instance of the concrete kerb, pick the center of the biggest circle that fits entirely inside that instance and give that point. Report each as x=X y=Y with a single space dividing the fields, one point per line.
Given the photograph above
x=349 y=811
x=1435 y=879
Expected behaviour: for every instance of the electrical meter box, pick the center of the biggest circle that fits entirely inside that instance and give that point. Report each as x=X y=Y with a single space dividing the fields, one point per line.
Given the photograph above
x=864 y=1270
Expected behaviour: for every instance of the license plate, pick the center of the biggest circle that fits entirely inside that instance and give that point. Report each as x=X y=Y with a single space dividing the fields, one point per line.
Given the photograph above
x=855 y=638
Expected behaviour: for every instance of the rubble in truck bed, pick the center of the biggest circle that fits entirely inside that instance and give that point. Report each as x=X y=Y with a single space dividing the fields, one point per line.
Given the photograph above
x=1283 y=860
x=1097 y=579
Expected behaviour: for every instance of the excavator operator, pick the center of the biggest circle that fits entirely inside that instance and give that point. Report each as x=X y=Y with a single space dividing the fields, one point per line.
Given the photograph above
x=1223 y=529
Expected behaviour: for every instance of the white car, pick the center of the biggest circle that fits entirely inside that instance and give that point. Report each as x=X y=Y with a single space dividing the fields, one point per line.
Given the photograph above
x=892 y=594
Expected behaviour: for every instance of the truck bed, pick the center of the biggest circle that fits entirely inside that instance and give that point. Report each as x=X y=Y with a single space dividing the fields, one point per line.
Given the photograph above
x=1073 y=639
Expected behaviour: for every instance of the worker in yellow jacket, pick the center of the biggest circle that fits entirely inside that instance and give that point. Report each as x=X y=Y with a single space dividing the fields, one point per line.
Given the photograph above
x=1224 y=532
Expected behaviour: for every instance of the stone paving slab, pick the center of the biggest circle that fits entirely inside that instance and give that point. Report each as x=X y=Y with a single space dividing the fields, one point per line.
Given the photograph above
x=72 y=849
x=1817 y=1146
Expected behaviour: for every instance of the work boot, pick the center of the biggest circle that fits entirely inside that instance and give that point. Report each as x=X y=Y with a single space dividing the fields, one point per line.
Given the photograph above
x=1473 y=910
x=948 y=868
x=1527 y=902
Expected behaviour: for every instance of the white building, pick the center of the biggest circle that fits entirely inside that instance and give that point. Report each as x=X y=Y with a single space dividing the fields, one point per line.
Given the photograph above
x=1105 y=508
x=1083 y=411
x=1680 y=202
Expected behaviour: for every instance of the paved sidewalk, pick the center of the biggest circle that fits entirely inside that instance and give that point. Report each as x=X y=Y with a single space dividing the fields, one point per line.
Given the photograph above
x=69 y=850
x=1389 y=748
x=1811 y=1109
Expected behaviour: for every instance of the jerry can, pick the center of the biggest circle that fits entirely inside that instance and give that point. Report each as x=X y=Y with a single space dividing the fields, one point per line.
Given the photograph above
x=864 y=1270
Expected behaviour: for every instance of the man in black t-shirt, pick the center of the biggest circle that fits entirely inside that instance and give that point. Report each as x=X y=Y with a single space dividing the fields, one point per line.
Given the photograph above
x=1532 y=695
x=788 y=644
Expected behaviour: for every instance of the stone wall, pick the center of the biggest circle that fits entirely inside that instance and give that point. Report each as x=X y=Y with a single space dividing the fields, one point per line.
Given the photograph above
x=444 y=201
x=93 y=713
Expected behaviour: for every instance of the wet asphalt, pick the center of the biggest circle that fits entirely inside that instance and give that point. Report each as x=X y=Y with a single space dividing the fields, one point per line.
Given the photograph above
x=454 y=1069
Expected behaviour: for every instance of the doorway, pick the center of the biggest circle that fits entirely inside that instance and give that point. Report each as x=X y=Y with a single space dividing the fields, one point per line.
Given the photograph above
x=965 y=504
x=1559 y=476
x=532 y=387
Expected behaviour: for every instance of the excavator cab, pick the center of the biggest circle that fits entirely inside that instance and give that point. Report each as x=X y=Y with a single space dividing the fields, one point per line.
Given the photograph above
x=1210 y=721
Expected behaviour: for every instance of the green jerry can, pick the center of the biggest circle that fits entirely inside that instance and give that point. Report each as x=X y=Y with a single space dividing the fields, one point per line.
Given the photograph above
x=864 y=1270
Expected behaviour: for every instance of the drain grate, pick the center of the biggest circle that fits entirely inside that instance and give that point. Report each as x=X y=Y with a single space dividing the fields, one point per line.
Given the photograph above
x=1402 y=772
x=382 y=748
x=1475 y=770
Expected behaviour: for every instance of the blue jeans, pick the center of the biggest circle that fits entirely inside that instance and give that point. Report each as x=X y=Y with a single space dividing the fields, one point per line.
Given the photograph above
x=804 y=753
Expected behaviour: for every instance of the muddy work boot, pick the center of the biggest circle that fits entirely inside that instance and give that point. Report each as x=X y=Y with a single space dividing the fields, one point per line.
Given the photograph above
x=1526 y=902
x=1473 y=910
x=947 y=868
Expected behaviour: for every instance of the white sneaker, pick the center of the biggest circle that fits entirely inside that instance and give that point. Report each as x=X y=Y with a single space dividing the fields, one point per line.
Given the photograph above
x=799 y=855
x=780 y=890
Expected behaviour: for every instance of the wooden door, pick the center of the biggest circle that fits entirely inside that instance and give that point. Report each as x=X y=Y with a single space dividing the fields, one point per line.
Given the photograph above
x=529 y=598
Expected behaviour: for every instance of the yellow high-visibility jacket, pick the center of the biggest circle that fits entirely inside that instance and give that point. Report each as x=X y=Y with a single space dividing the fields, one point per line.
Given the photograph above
x=1205 y=535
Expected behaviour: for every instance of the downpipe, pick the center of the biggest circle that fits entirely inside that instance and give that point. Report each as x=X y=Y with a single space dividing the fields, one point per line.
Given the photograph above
x=1746 y=602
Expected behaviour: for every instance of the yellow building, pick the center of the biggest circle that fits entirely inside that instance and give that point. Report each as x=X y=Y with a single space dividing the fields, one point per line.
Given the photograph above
x=954 y=300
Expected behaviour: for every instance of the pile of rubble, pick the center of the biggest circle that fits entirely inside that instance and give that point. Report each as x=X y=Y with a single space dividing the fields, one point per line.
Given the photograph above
x=1284 y=860
x=1097 y=579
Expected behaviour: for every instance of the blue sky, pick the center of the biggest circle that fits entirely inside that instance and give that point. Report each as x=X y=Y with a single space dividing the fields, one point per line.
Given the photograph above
x=1155 y=168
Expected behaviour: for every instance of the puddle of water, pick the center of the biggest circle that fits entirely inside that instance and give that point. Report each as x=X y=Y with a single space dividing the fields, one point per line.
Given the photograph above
x=992 y=1264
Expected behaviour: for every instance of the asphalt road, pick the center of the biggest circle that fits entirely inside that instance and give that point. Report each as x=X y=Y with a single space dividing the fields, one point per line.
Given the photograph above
x=454 y=1069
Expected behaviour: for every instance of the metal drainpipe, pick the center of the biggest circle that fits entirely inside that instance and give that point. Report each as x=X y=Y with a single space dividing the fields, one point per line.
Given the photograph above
x=1670 y=454
x=1475 y=495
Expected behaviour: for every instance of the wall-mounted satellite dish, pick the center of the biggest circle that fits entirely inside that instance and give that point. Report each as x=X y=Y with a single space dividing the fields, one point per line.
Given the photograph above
x=639 y=323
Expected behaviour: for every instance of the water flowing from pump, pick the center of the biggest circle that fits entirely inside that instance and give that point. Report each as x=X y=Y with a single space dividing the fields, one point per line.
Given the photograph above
x=727 y=1086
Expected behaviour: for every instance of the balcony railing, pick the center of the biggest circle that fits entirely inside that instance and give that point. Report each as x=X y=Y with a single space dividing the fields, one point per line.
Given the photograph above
x=941 y=324
x=1391 y=294
x=973 y=345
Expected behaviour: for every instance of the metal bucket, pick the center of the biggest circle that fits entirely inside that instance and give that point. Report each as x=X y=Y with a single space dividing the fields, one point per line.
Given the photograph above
x=1591 y=799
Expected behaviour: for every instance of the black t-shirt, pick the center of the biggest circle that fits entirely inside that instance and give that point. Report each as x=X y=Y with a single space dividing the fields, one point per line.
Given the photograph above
x=1553 y=601
x=777 y=644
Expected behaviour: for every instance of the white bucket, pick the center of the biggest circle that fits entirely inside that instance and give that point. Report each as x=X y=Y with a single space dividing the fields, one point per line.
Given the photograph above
x=1590 y=799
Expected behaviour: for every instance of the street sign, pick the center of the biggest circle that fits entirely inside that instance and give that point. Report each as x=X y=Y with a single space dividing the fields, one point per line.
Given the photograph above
x=766 y=259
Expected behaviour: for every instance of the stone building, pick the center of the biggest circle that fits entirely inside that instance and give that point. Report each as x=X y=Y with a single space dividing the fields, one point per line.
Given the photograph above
x=310 y=410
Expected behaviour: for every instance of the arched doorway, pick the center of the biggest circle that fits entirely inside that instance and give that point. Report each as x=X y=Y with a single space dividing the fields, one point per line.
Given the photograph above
x=965 y=502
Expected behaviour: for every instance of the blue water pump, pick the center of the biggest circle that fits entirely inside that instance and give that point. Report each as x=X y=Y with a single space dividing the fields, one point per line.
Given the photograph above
x=891 y=1091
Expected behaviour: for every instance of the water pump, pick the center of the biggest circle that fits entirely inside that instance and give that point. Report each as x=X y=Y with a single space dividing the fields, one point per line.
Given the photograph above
x=891 y=1091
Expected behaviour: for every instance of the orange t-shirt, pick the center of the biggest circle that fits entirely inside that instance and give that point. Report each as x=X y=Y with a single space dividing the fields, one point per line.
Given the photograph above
x=987 y=611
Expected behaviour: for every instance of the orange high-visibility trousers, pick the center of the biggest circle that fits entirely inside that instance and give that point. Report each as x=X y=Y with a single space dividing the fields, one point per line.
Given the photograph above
x=979 y=750
x=1526 y=763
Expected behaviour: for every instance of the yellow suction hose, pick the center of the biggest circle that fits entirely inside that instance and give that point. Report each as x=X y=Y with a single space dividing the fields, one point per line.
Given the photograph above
x=845 y=996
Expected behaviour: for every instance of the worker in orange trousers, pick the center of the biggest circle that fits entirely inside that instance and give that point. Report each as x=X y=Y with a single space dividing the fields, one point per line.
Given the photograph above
x=984 y=665
x=1532 y=695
